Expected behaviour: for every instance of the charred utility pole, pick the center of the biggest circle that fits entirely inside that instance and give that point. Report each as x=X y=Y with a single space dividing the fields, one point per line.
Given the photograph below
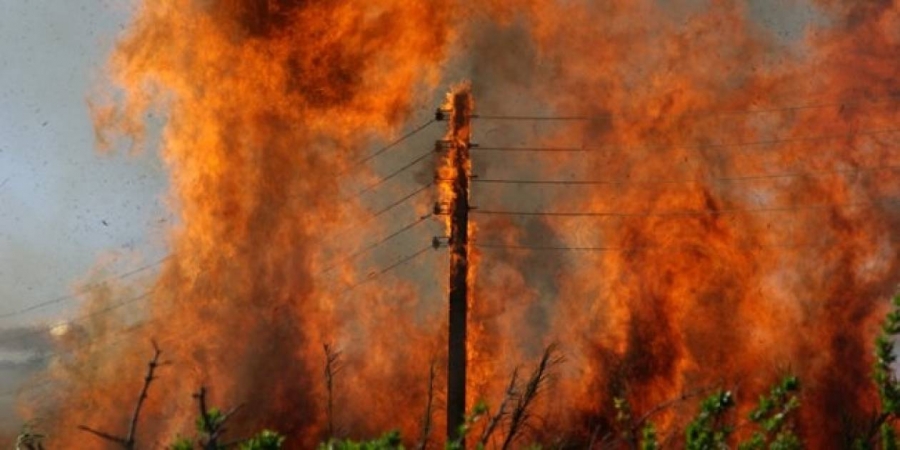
x=459 y=165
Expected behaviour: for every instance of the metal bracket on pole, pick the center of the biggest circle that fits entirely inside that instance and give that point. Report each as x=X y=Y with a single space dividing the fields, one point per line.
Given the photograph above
x=442 y=146
x=440 y=241
x=442 y=208
x=441 y=114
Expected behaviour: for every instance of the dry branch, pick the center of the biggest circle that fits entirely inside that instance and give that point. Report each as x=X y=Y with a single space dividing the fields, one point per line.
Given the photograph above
x=214 y=427
x=332 y=359
x=538 y=378
x=502 y=413
x=128 y=442
x=426 y=421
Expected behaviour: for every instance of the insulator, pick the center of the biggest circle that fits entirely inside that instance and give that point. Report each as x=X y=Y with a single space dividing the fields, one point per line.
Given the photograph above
x=441 y=114
x=442 y=146
x=441 y=208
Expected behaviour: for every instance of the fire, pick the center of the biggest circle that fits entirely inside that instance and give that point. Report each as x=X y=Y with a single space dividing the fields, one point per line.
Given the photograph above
x=709 y=269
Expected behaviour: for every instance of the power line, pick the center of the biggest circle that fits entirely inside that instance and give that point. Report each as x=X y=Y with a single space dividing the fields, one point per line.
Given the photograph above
x=374 y=275
x=529 y=149
x=699 y=113
x=399 y=202
x=688 y=213
x=393 y=174
x=122 y=336
x=45 y=329
x=146 y=267
x=379 y=213
x=120 y=304
x=83 y=290
x=551 y=118
x=766 y=176
x=374 y=245
x=695 y=146
x=370 y=277
x=492 y=245
x=88 y=288
x=19 y=390
x=380 y=151
x=387 y=147
x=794 y=139
x=383 y=149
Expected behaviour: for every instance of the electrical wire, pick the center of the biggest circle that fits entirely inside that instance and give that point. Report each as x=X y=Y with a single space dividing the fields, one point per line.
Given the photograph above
x=683 y=213
x=374 y=245
x=492 y=245
x=91 y=286
x=399 y=202
x=370 y=277
x=393 y=174
x=529 y=149
x=768 y=176
x=394 y=143
x=108 y=309
x=551 y=118
x=82 y=290
x=123 y=303
x=887 y=99
x=374 y=275
x=767 y=142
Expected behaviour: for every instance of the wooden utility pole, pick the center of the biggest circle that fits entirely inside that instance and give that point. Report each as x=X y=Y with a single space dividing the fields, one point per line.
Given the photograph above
x=457 y=145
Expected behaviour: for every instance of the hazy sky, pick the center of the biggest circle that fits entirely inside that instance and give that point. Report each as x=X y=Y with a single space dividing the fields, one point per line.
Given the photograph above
x=64 y=209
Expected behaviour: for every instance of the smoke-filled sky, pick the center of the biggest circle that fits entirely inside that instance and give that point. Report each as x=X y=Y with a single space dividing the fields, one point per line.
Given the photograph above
x=65 y=209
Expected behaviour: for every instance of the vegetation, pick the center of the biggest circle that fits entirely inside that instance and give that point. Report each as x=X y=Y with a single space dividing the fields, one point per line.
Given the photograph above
x=771 y=424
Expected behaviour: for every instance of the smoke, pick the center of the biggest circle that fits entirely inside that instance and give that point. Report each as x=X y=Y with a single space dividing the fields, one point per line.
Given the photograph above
x=714 y=272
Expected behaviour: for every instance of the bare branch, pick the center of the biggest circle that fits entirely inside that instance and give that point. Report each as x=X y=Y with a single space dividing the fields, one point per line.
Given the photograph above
x=231 y=412
x=213 y=428
x=538 y=378
x=128 y=442
x=426 y=421
x=332 y=357
x=502 y=412
x=151 y=368
x=204 y=412
x=103 y=435
x=670 y=403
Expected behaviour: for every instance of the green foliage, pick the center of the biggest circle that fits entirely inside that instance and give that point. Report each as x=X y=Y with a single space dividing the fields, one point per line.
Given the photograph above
x=389 y=441
x=29 y=438
x=265 y=440
x=479 y=411
x=883 y=373
x=773 y=415
x=648 y=437
x=182 y=443
x=888 y=437
x=624 y=419
x=216 y=418
x=707 y=431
